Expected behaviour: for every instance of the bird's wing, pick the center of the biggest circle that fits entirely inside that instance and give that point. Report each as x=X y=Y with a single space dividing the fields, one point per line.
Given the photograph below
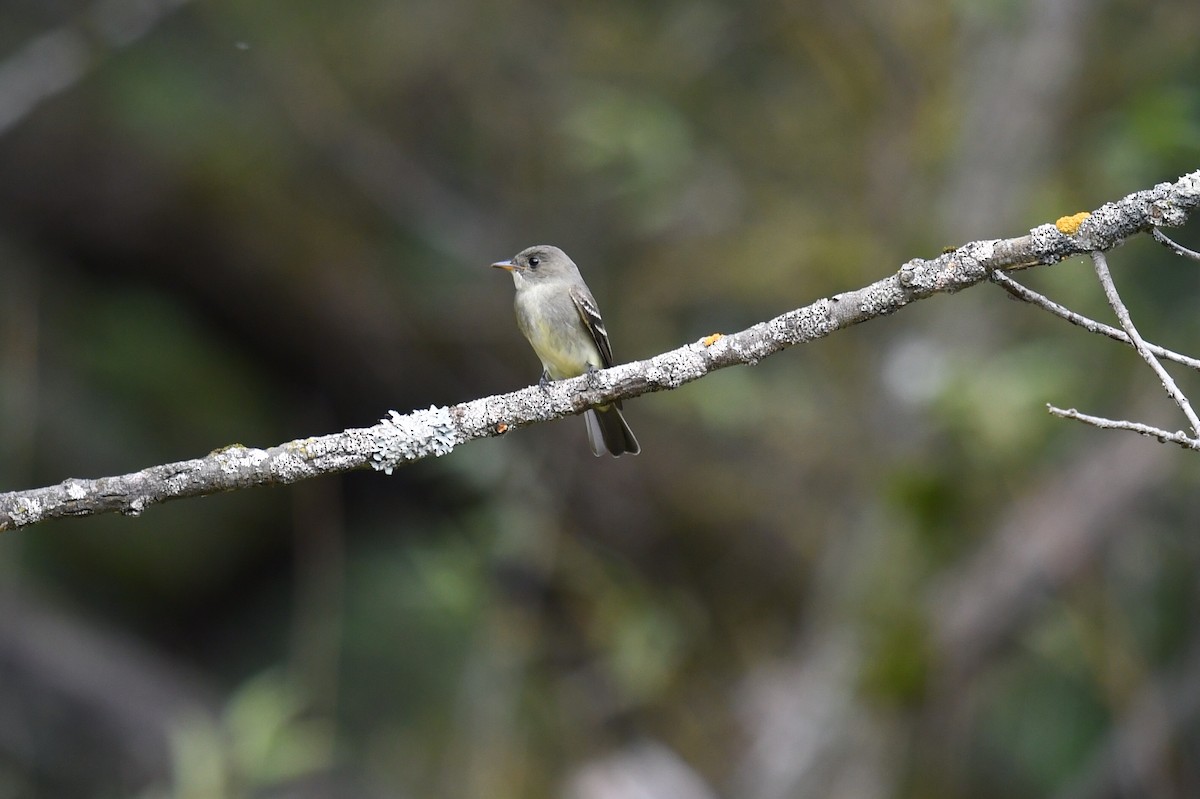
x=590 y=315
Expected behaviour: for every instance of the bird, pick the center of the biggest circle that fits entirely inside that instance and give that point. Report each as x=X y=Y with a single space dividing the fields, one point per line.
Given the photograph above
x=558 y=315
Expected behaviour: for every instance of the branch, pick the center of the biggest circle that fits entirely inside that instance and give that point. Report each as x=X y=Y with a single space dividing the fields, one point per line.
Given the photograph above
x=437 y=431
x=1178 y=249
x=1139 y=344
x=1178 y=437
x=1032 y=297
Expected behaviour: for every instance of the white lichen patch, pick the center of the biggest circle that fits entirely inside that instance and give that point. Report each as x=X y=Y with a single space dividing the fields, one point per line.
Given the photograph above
x=1046 y=240
x=27 y=512
x=406 y=437
x=292 y=463
x=238 y=459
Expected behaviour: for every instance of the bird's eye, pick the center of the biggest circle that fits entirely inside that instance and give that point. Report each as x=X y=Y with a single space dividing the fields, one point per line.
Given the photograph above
x=534 y=261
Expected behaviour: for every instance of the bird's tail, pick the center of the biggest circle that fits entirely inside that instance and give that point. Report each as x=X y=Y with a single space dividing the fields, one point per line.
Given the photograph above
x=608 y=432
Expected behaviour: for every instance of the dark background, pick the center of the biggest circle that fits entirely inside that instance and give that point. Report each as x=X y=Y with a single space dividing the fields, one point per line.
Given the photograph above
x=869 y=567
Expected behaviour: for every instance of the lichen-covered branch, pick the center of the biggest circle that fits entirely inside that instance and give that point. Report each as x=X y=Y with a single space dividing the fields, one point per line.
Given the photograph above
x=403 y=438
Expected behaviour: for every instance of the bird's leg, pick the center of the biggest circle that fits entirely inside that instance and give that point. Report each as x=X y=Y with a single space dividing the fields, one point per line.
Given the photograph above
x=591 y=375
x=544 y=381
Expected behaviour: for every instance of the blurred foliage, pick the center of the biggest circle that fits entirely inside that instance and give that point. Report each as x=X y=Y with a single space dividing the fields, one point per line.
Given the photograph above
x=251 y=222
x=262 y=739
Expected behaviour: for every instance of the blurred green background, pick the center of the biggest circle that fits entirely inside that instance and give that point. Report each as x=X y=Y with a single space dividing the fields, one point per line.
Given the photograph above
x=869 y=567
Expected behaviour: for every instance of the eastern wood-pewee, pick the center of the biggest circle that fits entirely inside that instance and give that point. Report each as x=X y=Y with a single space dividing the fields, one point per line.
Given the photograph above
x=558 y=315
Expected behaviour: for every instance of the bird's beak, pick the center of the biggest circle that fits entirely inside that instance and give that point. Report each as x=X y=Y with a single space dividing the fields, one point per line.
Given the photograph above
x=509 y=265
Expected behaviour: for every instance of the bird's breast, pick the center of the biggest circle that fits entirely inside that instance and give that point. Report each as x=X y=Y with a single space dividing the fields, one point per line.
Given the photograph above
x=551 y=323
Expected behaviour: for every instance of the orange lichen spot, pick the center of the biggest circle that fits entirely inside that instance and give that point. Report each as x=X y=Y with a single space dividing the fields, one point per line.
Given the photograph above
x=501 y=428
x=1068 y=225
x=708 y=341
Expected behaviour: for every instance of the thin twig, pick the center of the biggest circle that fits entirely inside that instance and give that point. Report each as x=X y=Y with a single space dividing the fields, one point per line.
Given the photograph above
x=1178 y=437
x=1032 y=297
x=1174 y=247
x=1118 y=306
